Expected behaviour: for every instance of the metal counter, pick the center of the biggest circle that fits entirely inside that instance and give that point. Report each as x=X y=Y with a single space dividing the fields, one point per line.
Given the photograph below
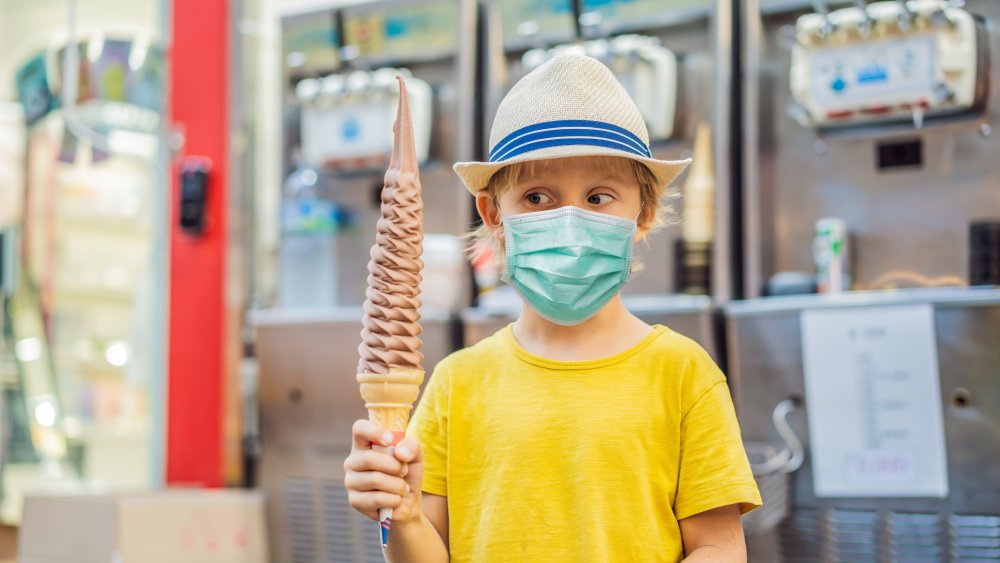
x=766 y=367
x=309 y=399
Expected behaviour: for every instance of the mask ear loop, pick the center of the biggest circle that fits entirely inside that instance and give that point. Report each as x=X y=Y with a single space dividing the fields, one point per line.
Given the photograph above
x=631 y=246
x=642 y=207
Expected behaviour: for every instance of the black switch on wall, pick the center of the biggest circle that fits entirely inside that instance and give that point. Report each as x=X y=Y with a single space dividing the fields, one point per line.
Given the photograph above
x=194 y=194
x=901 y=154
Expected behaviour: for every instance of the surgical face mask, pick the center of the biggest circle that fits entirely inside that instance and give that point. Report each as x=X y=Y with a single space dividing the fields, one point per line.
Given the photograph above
x=567 y=263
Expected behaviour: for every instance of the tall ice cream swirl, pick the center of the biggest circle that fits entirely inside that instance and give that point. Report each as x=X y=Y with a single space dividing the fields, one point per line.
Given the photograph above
x=391 y=323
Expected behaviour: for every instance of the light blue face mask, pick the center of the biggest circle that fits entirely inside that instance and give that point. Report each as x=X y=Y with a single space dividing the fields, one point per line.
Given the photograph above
x=567 y=263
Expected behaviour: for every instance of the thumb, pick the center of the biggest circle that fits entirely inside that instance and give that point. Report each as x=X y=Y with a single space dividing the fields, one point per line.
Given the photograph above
x=410 y=453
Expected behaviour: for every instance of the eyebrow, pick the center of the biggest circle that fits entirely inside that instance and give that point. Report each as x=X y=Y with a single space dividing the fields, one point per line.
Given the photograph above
x=612 y=176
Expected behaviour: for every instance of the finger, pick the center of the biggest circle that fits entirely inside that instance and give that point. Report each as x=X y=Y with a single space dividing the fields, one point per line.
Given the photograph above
x=362 y=481
x=412 y=454
x=368 y=503
x=366 y=433
x=371 y=460
x=408 y=450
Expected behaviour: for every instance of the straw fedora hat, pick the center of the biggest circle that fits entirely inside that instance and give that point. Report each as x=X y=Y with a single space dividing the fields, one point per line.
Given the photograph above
x=570 y=106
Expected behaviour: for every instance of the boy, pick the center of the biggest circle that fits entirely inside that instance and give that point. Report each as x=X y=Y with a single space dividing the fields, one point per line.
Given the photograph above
x=579 y=432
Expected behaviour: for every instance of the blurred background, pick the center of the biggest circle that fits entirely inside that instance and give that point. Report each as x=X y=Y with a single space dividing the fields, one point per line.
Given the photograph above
x=188 y=194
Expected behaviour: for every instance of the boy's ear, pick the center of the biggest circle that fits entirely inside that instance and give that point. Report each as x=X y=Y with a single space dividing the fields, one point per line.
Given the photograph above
x=488 y=210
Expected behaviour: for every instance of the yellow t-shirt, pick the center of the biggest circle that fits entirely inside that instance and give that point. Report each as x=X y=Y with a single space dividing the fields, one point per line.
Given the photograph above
x=552 y=461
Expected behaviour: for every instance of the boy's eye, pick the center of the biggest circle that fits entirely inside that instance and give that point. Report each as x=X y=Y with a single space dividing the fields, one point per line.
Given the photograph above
x=537 y=198
x=598 y=199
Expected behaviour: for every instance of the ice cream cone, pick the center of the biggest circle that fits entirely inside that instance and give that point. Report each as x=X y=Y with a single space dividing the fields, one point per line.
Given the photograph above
x=389 y=398
x=389 y=371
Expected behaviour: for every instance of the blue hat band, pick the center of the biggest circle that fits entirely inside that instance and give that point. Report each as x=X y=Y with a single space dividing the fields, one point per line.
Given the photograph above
x=565 y=133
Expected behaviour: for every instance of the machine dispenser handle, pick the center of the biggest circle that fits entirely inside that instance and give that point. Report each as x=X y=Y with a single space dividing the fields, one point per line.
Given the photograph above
x=790 y=458
x=821 y=8
x=905 y=17
x=940 y=16
x=867 y=22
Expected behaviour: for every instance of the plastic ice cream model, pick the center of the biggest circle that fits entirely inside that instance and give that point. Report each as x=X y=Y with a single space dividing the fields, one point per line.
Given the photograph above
x=389 y=372
x=698 y=227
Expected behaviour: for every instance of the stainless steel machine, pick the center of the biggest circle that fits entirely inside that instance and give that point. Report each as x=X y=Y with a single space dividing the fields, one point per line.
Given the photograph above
x=767 y=364
x=877 y=117
x=309 y=399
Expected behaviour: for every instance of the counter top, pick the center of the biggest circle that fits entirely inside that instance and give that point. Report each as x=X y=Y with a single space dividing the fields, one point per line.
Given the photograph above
x=948 y=296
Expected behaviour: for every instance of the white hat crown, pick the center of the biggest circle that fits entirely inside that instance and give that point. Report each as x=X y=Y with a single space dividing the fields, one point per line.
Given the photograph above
x=572 y=105
x=567 y=88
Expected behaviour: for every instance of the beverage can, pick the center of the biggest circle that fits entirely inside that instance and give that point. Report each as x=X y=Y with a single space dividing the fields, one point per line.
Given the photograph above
x=830 y=254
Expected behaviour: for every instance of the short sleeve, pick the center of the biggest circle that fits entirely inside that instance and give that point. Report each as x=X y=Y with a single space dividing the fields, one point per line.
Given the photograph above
x=430 y=426
x=714 y=470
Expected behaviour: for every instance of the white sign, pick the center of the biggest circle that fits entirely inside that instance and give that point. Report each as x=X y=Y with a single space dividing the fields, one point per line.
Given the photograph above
x=873 y=402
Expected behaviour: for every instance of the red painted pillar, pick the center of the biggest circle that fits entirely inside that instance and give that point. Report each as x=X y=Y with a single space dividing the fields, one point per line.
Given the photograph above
x=197 y=102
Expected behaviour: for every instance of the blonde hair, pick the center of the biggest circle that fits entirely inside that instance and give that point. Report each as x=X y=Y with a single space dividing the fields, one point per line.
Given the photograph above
x=655 y=200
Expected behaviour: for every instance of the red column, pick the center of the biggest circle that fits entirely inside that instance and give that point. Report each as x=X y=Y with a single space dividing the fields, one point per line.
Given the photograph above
x=197 y=102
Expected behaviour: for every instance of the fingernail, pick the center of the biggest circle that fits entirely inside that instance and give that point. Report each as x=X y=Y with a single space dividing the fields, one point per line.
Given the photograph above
x=403 y=451
x=387 y=438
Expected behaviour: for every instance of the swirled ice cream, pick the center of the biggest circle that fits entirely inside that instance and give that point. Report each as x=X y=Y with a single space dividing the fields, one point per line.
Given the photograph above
x=391 y=333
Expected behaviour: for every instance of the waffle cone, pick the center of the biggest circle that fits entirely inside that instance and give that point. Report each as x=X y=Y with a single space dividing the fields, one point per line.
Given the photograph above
x=389 y=397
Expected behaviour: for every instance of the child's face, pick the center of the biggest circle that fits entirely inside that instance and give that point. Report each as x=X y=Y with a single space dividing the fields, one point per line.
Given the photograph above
x=576 y=181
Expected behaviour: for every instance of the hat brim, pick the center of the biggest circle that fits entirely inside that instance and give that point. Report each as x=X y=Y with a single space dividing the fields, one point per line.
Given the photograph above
x=476 y=175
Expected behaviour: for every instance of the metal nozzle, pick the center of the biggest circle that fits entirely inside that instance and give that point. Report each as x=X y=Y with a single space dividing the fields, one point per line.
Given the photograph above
x=823 y=9
x=799 y=114
x=906 y=16
x=940 y=18
x=943 y=93
x=867 y=22
x=789 y=36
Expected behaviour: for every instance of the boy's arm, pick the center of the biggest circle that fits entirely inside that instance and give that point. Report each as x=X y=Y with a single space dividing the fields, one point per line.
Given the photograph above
x=423 y=539
x=714 y=536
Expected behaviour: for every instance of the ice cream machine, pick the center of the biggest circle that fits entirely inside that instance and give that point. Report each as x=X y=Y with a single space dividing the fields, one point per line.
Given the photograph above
x=885 y=62
x=675 y=64
x=338 y=137
x=876 y=115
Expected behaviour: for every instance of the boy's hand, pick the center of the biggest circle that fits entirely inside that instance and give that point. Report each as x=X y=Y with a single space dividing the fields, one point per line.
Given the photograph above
x=384 y=480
